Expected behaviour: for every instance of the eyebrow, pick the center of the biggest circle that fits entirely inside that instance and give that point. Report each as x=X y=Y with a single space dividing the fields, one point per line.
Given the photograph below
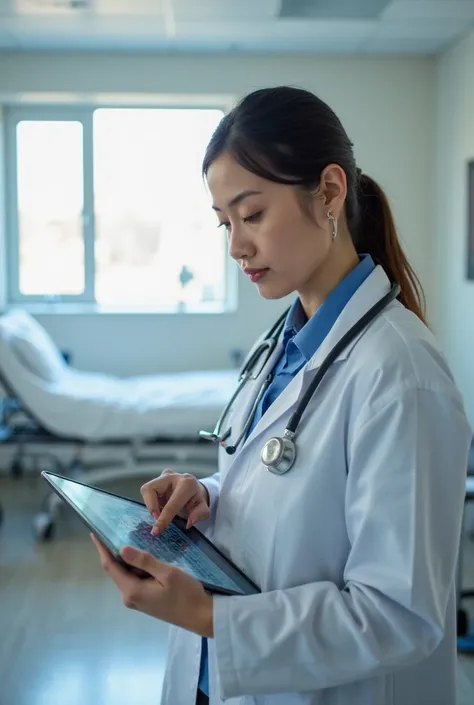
x=239 y=198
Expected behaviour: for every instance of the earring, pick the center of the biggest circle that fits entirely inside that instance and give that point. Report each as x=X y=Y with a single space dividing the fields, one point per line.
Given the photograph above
x=334 y=225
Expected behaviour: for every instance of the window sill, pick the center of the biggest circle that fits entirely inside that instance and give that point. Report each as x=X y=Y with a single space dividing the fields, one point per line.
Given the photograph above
x=84 y=308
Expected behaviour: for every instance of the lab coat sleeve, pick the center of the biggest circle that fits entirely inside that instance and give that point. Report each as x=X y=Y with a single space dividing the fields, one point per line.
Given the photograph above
x=403 y=503
x=212 y=484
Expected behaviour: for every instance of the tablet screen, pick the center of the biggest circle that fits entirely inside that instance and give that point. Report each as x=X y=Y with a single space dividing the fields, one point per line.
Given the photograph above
x=124 y=522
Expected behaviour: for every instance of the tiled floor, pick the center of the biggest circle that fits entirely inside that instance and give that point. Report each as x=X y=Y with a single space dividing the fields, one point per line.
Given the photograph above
x=65 y=637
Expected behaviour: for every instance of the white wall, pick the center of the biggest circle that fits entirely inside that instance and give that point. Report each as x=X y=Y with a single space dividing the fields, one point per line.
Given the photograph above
x=454 y=294
x=3 y=263
x=387 y=107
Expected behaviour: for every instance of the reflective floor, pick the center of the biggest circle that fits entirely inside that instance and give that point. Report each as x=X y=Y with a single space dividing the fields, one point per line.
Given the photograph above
x=65 y=637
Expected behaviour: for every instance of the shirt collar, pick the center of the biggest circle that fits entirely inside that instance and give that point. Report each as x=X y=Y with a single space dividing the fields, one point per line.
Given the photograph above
x=295 y=321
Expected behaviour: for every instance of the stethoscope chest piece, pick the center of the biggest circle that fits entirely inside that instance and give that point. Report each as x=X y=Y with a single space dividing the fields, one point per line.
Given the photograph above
x=278 y=454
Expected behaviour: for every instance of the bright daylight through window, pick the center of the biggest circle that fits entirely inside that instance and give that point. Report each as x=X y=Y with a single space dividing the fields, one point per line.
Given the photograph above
x=110 y=207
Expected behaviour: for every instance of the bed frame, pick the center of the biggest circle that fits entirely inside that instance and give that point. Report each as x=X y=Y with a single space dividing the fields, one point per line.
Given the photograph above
x=34 y=447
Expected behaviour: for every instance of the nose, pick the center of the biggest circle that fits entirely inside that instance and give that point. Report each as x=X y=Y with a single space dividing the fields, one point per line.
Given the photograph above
x=240 y=247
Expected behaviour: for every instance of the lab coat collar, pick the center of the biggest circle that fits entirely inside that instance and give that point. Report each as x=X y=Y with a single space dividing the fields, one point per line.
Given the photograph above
x=371 y=290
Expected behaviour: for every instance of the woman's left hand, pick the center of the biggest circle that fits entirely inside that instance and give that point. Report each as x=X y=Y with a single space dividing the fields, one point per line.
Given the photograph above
x=170 y=594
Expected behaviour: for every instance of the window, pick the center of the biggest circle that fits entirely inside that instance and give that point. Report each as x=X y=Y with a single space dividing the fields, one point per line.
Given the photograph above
x=50 y=205
x=108 y=206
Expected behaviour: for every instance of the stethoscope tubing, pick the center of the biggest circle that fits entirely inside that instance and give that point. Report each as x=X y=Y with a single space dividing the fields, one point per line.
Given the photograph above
x=267 y=346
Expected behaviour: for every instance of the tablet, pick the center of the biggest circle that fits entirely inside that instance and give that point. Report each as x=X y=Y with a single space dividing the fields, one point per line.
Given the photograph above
x=118 y=521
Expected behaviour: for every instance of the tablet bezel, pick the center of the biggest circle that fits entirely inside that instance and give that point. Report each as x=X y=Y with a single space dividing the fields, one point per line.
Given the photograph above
x=193 y=533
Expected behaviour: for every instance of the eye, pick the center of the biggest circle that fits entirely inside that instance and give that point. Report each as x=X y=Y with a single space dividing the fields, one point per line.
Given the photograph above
x=254 y=218
x=224 y=225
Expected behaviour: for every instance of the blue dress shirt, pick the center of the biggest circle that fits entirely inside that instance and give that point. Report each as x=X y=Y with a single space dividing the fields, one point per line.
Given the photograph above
x=301 y=339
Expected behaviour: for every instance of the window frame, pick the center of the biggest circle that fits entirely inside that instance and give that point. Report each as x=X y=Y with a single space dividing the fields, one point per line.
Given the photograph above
x=84 y=301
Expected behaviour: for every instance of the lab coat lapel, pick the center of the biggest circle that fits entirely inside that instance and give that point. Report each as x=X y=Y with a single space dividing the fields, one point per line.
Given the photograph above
x=372 y=290
x=284 y=405
x=367 y=295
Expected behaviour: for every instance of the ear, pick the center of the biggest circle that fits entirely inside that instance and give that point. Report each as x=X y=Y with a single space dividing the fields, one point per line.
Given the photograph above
x=333 y=188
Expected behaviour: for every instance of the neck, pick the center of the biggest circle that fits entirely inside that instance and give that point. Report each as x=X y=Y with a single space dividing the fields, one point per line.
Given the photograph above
x=342 y=259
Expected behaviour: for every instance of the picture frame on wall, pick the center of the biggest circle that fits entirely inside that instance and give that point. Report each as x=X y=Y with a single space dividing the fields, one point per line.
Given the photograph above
x=470 y=221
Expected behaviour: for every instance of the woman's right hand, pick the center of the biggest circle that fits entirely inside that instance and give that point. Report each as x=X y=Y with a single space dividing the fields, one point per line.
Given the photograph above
x=174 y=494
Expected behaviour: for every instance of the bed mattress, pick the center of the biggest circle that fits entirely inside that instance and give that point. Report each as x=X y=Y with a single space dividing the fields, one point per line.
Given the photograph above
x=98 y=407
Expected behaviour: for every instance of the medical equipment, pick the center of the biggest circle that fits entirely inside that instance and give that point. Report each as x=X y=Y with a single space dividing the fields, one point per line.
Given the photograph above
x=119 y=521
x=465 y=626
x=279 y=454
x=263 y=350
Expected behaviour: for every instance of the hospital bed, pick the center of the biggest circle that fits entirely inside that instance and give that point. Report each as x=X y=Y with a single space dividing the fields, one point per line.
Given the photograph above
x=57 y=417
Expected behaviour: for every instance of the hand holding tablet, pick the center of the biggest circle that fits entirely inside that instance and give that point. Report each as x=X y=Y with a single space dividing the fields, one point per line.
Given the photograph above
x=170 y=594
x=118 y=522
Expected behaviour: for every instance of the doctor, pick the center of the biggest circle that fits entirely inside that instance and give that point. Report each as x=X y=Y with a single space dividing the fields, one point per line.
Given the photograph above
x=354 y=548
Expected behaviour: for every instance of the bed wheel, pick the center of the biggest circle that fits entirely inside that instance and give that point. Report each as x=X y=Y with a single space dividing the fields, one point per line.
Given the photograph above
x=44 y=526
x=16 y=469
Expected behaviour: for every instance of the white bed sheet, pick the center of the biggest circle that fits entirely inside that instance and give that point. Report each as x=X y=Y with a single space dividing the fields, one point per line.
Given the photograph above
x=98 y=407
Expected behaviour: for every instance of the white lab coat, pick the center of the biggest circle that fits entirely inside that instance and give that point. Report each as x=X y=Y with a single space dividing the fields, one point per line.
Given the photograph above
x=354 y=548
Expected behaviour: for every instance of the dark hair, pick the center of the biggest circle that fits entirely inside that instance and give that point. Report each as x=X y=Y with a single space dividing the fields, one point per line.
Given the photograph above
x=289 y=136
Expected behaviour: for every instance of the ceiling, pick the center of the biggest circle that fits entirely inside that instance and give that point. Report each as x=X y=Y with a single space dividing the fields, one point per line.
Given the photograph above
x=319 y=26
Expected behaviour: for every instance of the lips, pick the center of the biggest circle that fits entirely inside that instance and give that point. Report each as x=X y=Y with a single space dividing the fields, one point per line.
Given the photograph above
x=255 y=274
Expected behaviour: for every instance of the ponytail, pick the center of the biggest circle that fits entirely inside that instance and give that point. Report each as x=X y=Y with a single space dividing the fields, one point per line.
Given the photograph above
x=376 y=235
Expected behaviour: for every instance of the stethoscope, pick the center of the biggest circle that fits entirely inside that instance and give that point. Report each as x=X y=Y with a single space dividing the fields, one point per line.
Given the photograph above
x=278 y=455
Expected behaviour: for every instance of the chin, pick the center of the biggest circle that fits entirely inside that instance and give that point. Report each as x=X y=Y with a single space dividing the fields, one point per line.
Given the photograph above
x=273 y=291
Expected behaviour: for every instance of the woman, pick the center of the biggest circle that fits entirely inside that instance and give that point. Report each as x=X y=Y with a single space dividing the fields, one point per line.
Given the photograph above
x=354 y=549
